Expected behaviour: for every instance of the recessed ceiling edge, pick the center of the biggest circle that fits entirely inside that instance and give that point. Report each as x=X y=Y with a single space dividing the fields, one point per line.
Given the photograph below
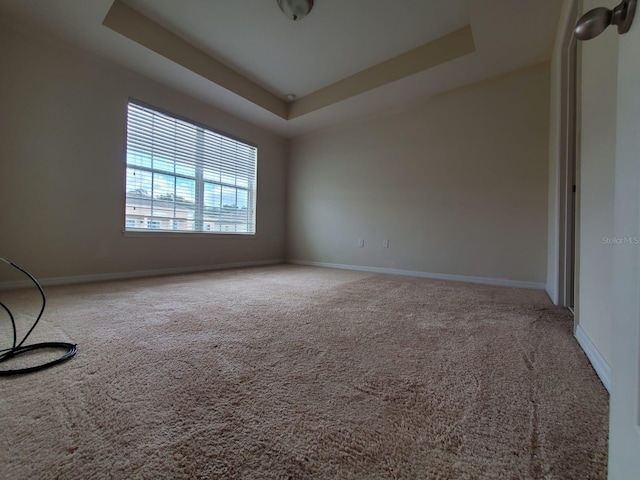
x=137 y=27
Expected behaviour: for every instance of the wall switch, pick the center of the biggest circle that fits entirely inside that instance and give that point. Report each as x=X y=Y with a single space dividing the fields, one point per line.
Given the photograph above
x=385 y=244
x=360 y=243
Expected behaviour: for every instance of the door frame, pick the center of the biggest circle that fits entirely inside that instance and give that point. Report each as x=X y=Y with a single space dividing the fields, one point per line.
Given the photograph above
x=624 y=432
x=568 y=167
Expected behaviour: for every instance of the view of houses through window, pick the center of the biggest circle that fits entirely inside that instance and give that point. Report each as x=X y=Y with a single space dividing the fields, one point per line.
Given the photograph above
x=183 y=177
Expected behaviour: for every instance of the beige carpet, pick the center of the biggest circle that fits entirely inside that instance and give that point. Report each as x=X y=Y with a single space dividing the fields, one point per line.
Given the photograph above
x=293 y=372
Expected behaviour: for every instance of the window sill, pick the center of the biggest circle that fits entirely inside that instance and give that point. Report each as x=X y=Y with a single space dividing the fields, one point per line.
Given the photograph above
x=170 y=234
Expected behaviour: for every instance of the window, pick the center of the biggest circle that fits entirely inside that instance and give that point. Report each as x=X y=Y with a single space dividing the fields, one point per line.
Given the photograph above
x=183 y=177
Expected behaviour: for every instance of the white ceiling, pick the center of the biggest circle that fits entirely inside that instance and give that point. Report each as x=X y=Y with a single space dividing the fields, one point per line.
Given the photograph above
x=336 y=40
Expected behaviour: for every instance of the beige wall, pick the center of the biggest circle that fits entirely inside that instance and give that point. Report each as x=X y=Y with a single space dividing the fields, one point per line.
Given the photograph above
x=596 y=184
x=62 y=150
x=456 y=183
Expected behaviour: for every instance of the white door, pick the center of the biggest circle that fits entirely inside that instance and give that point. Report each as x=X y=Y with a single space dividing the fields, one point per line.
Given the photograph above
x=624 y=438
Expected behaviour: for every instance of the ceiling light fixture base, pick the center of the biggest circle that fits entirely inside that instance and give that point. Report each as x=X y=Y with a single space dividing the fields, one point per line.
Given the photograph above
x=295 y=9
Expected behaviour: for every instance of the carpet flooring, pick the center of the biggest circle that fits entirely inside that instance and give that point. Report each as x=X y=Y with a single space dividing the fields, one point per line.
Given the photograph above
x=291 y=372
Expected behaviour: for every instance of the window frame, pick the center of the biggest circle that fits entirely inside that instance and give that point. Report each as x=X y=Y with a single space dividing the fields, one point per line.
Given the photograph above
x=251 y=190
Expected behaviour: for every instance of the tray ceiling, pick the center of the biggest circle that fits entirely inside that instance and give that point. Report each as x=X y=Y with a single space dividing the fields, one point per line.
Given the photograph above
x=344 y=60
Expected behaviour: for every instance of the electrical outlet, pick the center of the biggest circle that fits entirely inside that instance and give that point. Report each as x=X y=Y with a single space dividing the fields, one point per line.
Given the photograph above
x=385 y=244
x=360 y=243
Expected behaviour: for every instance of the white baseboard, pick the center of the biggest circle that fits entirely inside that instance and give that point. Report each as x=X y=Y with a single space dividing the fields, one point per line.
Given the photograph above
x=552 y=293
x=598 y=362
x=99 y=277
x=438 y=276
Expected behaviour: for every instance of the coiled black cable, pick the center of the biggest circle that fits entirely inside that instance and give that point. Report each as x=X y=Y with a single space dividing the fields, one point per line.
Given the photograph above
x=18 y=348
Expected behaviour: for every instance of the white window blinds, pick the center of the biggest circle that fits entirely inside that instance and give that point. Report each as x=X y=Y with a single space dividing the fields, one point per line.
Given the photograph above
x=182 y=177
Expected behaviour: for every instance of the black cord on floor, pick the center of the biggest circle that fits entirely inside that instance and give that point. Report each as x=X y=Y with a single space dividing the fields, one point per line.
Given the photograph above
x=18 y=348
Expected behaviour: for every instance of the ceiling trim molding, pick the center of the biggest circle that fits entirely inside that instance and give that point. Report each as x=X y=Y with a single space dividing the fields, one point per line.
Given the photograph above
x=429 y=55
x=135 y=26
x=132 y=24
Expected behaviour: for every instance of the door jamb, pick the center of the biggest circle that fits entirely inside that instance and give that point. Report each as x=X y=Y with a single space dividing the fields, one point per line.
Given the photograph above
x=568 y=163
